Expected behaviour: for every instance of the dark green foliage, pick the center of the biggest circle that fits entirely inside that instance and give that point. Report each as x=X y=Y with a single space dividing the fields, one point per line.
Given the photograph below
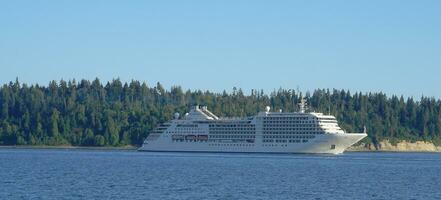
x=91 y=114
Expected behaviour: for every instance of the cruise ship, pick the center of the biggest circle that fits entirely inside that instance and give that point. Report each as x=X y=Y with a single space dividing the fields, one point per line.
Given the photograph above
x=200 y=130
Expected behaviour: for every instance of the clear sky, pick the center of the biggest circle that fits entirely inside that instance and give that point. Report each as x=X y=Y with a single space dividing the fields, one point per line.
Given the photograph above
x=392 y=46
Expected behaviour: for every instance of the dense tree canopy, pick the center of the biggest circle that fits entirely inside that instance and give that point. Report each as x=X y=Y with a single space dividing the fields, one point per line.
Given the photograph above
x=92 y=114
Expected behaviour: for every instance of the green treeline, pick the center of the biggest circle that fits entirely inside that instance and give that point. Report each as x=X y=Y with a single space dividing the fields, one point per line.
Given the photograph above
x=88 y=113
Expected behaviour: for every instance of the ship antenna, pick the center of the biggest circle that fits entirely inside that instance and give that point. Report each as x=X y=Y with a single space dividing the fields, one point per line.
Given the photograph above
x=329 y=106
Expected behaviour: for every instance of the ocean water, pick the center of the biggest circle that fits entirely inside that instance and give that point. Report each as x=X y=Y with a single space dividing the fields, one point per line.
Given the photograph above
x=108 y=174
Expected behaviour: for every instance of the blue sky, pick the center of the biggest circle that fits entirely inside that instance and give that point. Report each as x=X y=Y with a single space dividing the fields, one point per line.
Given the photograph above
x=369 y=46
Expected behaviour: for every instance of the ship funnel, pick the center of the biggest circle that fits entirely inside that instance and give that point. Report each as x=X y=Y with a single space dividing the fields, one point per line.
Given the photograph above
x=176 y=115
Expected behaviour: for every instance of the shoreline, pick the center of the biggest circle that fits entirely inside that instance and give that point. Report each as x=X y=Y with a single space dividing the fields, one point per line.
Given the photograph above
x=127 y=148
x=401 y=146
x=382 y=146
x=353 y=149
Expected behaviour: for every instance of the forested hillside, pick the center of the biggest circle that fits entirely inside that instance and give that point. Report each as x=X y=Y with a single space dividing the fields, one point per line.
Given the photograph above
x=88 y=113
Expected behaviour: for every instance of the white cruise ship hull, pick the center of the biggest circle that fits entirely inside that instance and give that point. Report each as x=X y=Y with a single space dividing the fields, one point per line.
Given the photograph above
x=268 y=132
x=322 y=144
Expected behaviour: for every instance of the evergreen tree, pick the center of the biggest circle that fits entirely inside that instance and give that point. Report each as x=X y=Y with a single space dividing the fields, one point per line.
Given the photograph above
x=88 y=113
x=54 y=133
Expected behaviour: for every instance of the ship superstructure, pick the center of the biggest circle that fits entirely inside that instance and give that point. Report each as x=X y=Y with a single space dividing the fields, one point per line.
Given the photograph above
x=267 y=132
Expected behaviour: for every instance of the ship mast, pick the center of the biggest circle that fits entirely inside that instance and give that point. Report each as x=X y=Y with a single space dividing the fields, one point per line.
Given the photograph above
x=302 y=105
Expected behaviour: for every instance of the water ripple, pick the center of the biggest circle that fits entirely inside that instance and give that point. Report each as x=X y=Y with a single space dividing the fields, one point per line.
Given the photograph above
x=89 y=174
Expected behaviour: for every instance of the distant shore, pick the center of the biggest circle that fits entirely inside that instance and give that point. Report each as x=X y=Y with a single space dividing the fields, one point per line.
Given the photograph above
x=383 y=146
x=402 y=146
x=128 y=147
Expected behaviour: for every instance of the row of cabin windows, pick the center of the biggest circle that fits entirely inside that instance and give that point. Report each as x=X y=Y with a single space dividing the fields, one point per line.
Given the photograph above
x=232 y=132
x=184 y=140
x=210 y=140
x=275 y=145
x=245 y=140
x=286 y=118
x=293 y=133
x=232 y=136
x=239 y=144
x=232 y=128
x=286 y=130
x=289 y=122
x=186 y=132
x=290 y=125
x=292 y=129
x=186 y=129
x=231 y=125
x=284 y=141
x=291 y=136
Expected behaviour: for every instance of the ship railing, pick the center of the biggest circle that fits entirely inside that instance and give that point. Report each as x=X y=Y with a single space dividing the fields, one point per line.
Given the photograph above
x=233 y=118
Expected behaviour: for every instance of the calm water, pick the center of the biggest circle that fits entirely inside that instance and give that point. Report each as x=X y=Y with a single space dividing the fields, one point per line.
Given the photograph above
x=94 y=174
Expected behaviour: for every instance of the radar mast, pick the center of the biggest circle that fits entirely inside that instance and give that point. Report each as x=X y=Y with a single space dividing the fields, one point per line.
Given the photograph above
x=303 y=105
